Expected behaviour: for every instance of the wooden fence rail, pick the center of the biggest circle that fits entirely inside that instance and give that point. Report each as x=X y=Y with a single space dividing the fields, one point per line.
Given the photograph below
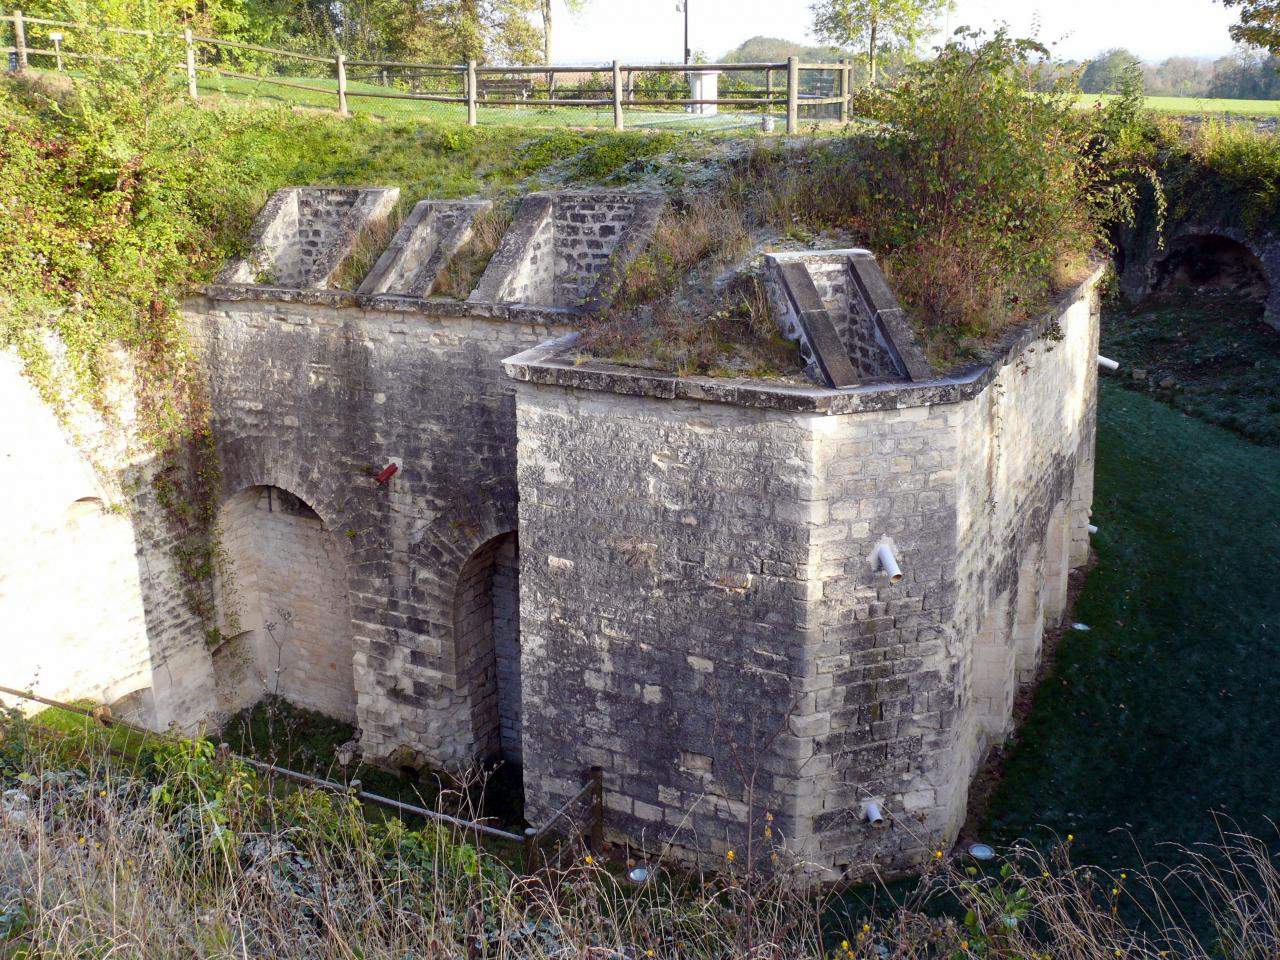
x=529 y=841
x=615 y=92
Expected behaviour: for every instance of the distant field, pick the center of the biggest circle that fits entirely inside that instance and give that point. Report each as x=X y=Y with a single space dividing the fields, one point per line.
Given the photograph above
x=1196 y=105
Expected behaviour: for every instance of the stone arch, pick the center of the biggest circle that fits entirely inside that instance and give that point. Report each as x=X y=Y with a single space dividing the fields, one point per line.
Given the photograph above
x=284 y=605
x=1211 y=259
x=992 y=670
x=1028 y=615
x=486 y=631
x=416 y=679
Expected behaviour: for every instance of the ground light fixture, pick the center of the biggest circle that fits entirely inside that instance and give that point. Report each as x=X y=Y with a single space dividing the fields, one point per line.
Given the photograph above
x=639 y=874
x=982 y=851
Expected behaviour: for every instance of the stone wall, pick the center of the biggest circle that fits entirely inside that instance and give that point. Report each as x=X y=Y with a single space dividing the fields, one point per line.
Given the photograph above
x=285 y=608
x=569 y=248
x=702 y=614
x=88 y=590
x=315 y=394
x=303 y=235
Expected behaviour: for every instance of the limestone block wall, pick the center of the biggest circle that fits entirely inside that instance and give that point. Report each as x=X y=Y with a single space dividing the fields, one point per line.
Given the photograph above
x=701 y=610
x=423 y=246
x=663 y=563
x=287 y=609
x=315 y=394
x=303 y=234
x=569 y=248
x=506 y=634
x=88 y=591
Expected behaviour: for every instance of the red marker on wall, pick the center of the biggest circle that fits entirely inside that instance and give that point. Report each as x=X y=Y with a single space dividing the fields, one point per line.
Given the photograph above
x=387 y=473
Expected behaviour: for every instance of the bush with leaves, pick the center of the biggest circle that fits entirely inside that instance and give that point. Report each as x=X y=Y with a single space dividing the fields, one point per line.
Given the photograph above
x=976 y=189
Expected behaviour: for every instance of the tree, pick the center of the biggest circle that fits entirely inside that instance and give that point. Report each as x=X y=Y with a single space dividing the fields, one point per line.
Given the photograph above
x=1259 y=24
x=574 y=7
x=1104 y=72
x=872 y=24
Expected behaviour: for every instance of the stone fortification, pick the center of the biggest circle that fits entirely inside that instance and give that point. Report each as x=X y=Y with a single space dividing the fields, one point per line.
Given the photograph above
x=439 y=522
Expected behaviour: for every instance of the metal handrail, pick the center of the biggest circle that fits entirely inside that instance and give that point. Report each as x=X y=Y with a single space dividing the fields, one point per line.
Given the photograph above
x=529 y=840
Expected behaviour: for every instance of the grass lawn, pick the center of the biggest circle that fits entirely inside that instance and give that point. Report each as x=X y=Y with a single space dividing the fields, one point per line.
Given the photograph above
x=1195 y=105
x=1211 y=356
x=1164 y=715
x=527 y=116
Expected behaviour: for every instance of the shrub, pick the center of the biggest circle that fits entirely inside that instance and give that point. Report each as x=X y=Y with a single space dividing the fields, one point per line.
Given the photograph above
x=978 y=189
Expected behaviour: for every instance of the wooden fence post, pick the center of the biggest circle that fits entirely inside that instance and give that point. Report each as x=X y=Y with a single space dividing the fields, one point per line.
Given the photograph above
x=844 y=90
x=617 y=96
x=20 y=40
x=192 y=88
x=793 y=94
x=471 y=93
x=342 y=85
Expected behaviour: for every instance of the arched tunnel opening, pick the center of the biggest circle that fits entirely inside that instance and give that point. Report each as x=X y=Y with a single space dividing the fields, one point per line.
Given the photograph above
x=1213 y=264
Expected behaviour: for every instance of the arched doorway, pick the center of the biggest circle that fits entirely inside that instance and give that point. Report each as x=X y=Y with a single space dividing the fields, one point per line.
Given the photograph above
x=284 y=606
x=486 y=616
x=1211 y=263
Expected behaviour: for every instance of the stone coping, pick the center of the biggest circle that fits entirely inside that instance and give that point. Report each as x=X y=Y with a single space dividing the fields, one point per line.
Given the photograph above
x=392 y=303
x=552 y=364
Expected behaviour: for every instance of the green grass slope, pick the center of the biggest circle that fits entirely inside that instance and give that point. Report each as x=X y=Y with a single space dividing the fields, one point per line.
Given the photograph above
x=1193 y=106
x=1166 y=713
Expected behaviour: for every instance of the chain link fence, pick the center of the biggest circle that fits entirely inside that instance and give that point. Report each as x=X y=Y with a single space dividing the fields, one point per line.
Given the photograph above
x=784 y=96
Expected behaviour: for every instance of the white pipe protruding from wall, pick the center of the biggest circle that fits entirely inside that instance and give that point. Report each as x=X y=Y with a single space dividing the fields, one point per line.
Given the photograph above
x=872 y=814
x=1107 y=363
x=1092 y=529
x=886 y=562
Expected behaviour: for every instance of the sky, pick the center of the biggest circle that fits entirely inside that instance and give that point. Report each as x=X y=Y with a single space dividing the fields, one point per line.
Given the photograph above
x=652 y=30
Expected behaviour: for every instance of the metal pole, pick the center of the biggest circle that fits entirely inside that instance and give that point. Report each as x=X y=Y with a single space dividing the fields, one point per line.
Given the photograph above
x=793 y=94
x=192 y=88
x=617 y=96
x=342 y=85
x=530 y=850
x=20 y=40
x=687 y=52
x=597 y=809
x=471 y=92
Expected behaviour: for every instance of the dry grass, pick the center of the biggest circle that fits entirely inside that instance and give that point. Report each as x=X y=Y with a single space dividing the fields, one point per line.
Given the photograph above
x=366 y=250
x=461 y=274
x=671 y=315
x=188 y=858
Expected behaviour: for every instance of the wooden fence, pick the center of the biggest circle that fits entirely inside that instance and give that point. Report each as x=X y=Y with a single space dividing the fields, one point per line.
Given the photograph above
x=530 y=841
x=760 y=86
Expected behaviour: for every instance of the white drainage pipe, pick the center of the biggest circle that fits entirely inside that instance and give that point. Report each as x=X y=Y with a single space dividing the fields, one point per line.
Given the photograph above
x=886 y=562
x=1092 y=529
x=872 y=814
x=1107 y=364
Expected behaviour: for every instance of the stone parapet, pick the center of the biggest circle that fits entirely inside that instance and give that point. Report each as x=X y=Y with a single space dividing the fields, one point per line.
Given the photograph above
x=702 y=612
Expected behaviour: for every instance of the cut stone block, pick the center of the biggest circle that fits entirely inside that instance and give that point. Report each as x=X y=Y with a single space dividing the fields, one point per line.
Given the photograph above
x=838 y=305
x=569 y=249
x=423 y=246
x=303 y=235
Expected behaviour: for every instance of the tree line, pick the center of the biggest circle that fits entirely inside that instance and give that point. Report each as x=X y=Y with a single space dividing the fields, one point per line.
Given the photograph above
x=1247 y=74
